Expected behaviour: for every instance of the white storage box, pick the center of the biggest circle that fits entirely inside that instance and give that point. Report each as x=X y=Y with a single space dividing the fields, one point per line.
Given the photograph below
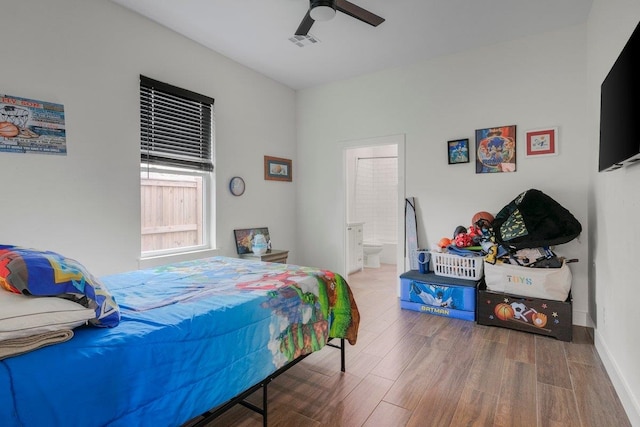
x=547 y=283
x=449 y=265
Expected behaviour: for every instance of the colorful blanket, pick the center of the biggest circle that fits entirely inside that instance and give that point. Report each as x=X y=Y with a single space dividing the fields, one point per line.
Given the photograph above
x=191 y=336
x=310 y=305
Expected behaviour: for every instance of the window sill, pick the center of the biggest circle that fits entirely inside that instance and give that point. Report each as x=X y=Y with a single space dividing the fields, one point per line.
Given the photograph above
x=154 y=261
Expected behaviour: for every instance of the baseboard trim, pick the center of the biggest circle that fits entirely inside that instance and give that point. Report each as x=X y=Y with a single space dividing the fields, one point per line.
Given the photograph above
x=628 y=400
x=581 y=318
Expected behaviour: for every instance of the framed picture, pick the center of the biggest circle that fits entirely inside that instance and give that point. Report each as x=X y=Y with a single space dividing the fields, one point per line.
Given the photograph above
x=496 y=149
x=542 y=142
x=277 y=169
x=244 y=237
x=458 y=151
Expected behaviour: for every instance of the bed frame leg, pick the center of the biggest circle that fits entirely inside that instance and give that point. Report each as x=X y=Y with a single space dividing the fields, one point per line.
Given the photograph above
x=209 y=416
x=342 y=350
x=264 y=404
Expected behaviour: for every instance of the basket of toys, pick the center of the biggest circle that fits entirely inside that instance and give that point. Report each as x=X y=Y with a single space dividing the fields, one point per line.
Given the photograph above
x=461 y=267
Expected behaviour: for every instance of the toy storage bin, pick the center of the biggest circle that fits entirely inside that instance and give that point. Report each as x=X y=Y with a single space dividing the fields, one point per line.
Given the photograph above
x=449 y=265
x=536 y=315
x=447 y=297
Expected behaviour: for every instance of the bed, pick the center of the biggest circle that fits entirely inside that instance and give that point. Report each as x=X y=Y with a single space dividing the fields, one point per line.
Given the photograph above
x=190 y=337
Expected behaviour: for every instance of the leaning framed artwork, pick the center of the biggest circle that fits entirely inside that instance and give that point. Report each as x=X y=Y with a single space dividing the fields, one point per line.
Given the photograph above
x=496 y=149
x=244 y=237
x=542 y=142
x=458 y=151
x=277 y=169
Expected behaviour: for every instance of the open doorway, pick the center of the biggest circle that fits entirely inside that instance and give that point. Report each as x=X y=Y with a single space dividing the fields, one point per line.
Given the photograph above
x=374 y=206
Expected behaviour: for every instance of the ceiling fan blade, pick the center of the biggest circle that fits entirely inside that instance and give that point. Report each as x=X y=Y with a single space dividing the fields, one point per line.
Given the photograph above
x=305 y=25
x=359 y=13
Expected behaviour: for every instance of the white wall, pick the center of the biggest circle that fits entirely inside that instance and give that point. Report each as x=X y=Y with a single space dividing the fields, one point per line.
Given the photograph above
x=613 y=217
x=88 y=55
x=534 y=82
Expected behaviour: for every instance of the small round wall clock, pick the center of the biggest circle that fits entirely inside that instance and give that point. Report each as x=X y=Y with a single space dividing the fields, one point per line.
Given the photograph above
x=236 y=186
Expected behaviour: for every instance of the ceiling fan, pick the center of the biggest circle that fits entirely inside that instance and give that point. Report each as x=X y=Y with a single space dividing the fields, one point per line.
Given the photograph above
x=324 y=10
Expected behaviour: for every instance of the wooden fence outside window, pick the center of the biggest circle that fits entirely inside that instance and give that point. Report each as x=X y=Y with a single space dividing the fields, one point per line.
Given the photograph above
x=171 y=213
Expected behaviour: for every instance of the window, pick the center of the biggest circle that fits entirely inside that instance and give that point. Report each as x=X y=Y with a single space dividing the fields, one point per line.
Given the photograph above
x=176 y=146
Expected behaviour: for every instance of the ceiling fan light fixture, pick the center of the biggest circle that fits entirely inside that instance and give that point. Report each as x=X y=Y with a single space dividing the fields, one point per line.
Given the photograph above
x=322 y=10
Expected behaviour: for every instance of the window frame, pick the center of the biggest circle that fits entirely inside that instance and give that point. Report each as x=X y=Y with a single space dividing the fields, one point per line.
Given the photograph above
x=203 y=169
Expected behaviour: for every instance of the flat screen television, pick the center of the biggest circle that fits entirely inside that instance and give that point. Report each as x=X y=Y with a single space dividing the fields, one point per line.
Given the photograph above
x=620 y=109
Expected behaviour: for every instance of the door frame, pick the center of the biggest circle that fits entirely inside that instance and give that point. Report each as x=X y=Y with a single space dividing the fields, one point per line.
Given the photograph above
x=399 y=140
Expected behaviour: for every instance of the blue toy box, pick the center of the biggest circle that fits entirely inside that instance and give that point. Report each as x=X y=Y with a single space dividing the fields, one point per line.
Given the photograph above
x=438 y=295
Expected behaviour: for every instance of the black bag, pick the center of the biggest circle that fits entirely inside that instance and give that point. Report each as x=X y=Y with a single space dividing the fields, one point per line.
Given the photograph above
x=534 y=220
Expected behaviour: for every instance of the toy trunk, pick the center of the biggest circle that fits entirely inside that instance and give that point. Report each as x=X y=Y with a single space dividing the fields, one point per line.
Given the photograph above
x=528 y=314
x=441 y=296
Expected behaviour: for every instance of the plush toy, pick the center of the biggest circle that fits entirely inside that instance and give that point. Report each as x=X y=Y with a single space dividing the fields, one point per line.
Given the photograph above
x=463 y=240
x=492 y=252
x=465 y=237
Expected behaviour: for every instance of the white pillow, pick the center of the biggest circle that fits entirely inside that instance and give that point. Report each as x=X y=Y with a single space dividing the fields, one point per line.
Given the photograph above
x=23 y=316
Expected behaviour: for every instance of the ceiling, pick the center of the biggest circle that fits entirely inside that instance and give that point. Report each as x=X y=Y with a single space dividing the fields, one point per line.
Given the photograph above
x=256 y=33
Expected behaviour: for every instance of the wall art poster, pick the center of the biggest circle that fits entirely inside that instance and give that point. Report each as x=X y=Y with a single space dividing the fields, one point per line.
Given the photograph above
x=458 y=151
x=277 y=169
x=542 y=142
x=30 y=126
x=496 y=149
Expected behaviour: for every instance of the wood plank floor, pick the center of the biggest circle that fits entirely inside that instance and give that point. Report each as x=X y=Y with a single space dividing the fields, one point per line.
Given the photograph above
x=415 y=369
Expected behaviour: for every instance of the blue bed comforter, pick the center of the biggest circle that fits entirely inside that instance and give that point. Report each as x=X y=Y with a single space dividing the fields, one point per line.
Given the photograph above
x=192 y=335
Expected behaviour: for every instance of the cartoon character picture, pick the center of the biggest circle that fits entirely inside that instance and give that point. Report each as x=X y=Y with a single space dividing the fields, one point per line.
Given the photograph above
x=458 y=151
x=496 y=149
x=437 y=296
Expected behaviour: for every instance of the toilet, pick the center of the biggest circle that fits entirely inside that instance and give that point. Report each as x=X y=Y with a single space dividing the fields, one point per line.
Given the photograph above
x=372 y=251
